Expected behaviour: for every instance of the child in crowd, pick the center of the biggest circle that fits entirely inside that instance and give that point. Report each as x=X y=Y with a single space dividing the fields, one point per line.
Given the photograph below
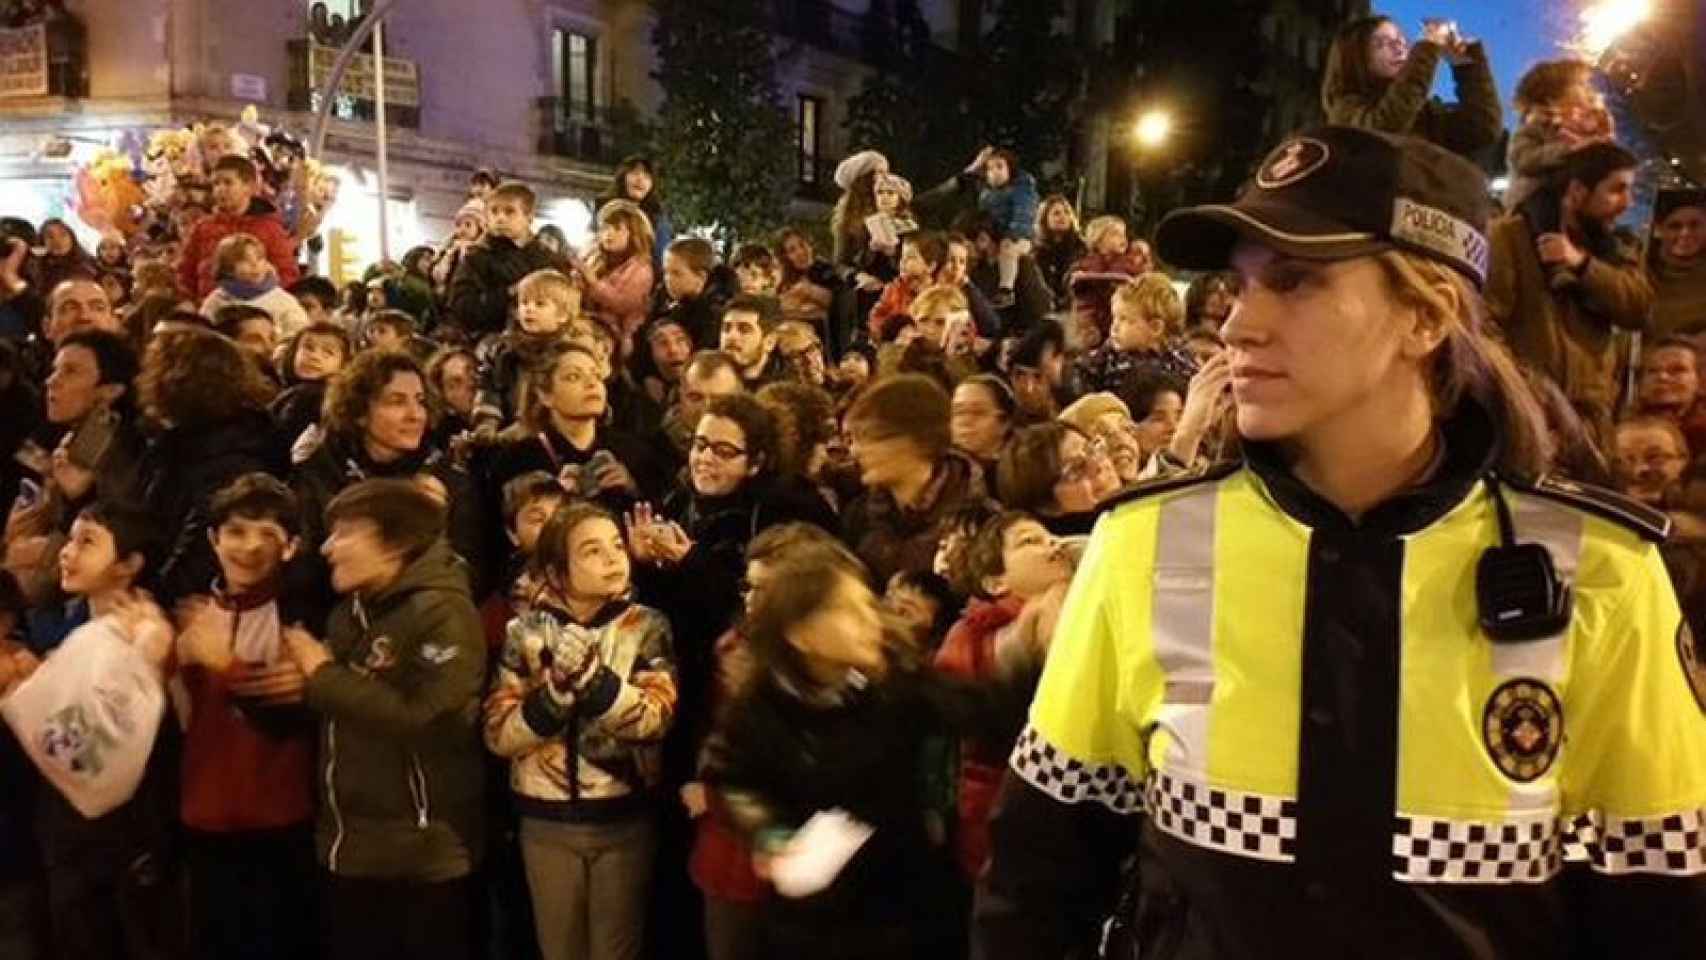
x=1092 y=280
x=111 y=887
x=548 y=304
x=619 y=274
x=310 y=362
x=248 y=761
x=244 y=276
x=478 y=304
x=756 y=269
x=1146 y=311
x=238 y=209
x=1019 y=574
x=317 y=297
x=1009 y=196
x=388 y=330
x=925 y=605
x=1561 y=112
x=469 y=230
x=396 y=689
x=893 y=221
x=696 y=287
x=528 y=501
x=921 y=255
x=584 y=693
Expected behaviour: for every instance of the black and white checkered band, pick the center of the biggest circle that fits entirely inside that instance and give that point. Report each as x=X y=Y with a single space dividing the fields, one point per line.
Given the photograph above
x=1673 y=845
x=1432 y=850
x=1252 y=825
x=1049 y=769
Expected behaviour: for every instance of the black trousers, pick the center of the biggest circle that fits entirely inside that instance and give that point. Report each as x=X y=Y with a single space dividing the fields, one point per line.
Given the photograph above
x=252 y=894
x=113 y=911
x=365 y=919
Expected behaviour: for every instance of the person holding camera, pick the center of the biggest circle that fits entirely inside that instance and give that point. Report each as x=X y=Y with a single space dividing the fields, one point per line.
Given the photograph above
x=1376 y=79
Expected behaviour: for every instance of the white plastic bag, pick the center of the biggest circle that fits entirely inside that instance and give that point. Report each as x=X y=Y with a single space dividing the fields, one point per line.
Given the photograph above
x=817 y=852
x=88 y=716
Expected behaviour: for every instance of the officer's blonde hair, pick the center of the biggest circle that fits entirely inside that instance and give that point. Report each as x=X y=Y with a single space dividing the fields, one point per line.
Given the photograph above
x=1469 y=364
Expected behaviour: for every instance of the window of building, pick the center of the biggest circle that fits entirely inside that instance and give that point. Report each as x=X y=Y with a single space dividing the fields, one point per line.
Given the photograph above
x=574 y=57
x=330 y=21
x=810 y=121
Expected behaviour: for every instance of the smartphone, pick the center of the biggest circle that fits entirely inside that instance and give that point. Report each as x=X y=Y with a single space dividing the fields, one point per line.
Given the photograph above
x=94 y=437
x=594 y=466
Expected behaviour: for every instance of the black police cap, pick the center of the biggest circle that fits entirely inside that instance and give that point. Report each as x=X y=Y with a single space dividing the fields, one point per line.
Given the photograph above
x=1334 y=193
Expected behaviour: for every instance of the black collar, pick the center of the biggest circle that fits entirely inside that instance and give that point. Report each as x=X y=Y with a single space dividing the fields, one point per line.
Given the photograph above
x=1471 y=448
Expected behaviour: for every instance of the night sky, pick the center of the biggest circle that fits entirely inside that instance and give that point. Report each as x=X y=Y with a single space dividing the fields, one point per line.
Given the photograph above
x=1517 y=33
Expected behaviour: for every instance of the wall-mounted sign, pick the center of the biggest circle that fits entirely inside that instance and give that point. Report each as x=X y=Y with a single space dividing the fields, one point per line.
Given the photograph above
x=402 y=77
x=247 y=86
x=23 y=62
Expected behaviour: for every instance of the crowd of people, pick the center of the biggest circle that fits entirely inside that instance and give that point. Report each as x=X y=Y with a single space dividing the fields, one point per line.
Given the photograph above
x=633 y=600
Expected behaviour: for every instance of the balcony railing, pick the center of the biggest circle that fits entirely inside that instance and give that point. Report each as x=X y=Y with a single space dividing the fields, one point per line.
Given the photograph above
x=575 y=130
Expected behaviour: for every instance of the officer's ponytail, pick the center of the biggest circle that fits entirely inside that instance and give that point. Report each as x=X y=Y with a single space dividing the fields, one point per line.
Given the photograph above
x=1470 y=364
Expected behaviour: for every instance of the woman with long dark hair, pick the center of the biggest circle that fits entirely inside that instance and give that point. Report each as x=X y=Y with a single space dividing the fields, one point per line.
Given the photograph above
x=636 y=181
x=1376 y=79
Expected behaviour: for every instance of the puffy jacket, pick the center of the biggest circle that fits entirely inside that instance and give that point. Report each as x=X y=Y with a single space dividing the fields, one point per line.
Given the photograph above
x=401 y=775
x=1014 y=206
x=594 y=757
x=261 y=221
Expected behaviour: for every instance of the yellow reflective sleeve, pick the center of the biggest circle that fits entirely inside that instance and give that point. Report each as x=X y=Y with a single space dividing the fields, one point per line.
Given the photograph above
x=1084 y=740
x=1635 y=734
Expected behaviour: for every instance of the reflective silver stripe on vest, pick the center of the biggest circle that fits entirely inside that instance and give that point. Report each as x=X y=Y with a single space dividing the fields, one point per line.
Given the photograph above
x=1182 y=625
x=1560 y=530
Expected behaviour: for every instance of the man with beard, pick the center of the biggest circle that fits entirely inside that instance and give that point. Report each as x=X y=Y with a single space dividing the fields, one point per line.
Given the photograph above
x=748 y=334
x=1567 y=333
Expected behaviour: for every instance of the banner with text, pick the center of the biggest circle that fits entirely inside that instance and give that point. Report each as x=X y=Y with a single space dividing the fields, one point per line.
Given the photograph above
x=402 y=77
x=23 y=62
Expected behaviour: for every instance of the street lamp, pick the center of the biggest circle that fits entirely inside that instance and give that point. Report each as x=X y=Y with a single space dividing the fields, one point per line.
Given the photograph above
x=1604 y=23
x=1153 y=129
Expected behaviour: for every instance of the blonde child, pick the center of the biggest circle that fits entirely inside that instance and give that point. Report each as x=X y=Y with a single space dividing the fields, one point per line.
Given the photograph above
x=1093 y=279
x=1561 y=112
x=1147 y=319
x=548 y=306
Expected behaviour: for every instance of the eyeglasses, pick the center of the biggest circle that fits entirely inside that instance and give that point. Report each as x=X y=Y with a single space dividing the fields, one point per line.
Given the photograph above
x=720 y=449
x=1078 y=468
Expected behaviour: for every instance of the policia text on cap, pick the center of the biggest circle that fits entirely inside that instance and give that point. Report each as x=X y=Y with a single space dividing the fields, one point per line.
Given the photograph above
x=1380 y=688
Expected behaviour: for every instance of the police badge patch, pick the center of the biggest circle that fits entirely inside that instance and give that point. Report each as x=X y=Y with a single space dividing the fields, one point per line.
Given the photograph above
x=1693 y=662
x=1292 y=161
x=1523 y=727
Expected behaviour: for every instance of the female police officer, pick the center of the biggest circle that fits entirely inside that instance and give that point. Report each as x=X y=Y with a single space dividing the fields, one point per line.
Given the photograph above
x=1375 y=690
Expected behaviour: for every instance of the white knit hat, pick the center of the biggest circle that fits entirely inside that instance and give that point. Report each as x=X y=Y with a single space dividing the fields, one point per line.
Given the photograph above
x=858 y=165
x=475 y=209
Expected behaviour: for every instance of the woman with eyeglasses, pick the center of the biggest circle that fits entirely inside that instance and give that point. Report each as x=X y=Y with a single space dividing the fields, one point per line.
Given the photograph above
x=1376 y=79
x=1055 y=471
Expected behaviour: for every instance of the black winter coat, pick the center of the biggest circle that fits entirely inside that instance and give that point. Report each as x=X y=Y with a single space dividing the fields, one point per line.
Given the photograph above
x=480 y=292
x=701 y=594
x=181 y=471
x=340 y=462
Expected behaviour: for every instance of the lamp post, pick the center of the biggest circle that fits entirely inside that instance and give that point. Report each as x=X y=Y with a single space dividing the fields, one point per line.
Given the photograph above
x=1154 y=128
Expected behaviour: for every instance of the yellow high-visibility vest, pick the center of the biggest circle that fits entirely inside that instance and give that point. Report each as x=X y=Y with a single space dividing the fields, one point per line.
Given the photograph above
x=1176 y=687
